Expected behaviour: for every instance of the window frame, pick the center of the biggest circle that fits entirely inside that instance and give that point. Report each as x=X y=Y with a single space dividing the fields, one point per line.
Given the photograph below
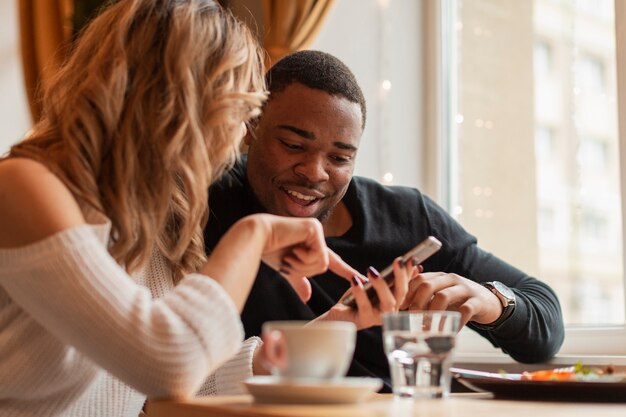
x=605 y=344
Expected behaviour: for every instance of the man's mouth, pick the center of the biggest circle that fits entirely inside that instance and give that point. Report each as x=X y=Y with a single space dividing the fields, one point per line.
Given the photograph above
x=300 y=196
x=302 y=199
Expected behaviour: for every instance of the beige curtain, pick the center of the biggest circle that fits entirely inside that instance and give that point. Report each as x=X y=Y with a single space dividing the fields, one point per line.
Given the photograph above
x=45 y=29
x=291 y=25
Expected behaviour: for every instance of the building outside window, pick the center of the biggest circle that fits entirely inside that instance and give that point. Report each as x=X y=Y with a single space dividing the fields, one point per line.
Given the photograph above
x=539 y=128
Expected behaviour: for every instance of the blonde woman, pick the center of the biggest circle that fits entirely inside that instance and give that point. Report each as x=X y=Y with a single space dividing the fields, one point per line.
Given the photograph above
x=104 y=284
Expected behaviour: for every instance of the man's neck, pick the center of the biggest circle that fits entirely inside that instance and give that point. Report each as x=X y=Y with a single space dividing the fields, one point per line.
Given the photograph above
x=338 y=222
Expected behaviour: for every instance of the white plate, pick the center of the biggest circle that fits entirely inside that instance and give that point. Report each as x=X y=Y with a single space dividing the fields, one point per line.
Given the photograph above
x=270 y=389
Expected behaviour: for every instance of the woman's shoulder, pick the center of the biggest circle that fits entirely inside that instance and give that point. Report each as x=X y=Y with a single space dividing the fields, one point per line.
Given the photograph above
x=21 y=168
x=34 y=203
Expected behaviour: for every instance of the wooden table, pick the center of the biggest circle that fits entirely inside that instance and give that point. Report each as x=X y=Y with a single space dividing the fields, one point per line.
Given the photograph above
x=384 y=405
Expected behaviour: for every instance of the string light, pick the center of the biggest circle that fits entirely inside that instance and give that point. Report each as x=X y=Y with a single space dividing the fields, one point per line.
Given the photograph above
x=384 y=147
x=485 y=192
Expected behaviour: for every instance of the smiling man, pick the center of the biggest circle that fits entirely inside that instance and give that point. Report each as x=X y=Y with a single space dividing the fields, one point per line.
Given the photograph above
x=302 y=159
x=300 y=163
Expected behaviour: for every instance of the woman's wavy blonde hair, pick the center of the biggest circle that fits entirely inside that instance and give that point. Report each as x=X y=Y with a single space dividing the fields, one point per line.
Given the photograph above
x=144 y=116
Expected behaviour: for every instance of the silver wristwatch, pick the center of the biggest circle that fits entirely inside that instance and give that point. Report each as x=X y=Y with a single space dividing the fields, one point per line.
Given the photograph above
x=506 y=297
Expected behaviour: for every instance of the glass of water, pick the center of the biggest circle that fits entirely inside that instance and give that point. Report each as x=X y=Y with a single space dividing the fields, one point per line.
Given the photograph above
x=419 y=348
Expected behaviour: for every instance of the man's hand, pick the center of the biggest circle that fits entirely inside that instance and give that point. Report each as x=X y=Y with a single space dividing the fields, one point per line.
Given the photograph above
x=442 y=291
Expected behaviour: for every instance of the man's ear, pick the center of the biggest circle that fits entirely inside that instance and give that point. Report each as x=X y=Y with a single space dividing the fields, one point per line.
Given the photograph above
x=245 y=143
x=248 y=138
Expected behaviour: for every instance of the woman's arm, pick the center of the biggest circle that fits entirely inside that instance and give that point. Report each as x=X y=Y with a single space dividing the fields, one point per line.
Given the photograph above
x=57 y=271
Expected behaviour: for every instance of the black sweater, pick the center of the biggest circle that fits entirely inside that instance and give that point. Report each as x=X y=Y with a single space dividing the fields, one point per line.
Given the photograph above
x=387 y=221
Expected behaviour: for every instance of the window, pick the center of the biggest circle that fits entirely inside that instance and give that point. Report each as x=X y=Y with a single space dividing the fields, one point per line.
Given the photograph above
x=593 y=156
x=542 y=59
x=546 y=222
x=593 y=228
x=593 y=8
x=544 y=144
x=550 y=154
x=589 y=75
x=487 y=120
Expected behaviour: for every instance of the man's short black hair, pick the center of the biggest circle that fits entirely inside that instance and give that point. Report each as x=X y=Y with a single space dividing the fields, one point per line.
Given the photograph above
x=317 y=70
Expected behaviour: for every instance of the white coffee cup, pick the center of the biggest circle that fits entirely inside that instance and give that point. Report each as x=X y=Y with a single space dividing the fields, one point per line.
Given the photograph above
x=320 y=350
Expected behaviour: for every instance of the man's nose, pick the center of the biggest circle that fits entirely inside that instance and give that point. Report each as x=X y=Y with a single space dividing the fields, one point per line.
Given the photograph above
x=314 y=169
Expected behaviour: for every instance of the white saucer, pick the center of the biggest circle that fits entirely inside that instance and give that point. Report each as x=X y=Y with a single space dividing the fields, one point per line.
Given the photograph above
x=274 y=390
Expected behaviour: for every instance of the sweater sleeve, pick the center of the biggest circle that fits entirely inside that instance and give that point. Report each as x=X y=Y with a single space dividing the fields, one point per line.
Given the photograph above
x=71 y=285
x=535 y=331
x=227 y=379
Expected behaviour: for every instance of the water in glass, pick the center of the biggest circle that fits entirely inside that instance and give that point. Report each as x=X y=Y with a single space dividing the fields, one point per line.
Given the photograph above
x=419 y=363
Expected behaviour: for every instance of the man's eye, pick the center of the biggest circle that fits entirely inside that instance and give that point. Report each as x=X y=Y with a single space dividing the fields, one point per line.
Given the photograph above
x=341 y=159
x=292 y=146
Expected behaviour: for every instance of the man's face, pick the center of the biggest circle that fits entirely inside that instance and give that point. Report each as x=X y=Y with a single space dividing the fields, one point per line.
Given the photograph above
x=302 y=159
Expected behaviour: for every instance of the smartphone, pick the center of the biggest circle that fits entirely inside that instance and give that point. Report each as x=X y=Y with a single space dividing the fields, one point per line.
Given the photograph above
x=421 y=252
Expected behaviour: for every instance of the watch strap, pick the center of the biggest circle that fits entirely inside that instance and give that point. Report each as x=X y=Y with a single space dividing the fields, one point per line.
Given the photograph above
x=507 y=310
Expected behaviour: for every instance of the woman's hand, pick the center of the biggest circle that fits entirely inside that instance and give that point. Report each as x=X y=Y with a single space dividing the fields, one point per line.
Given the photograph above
x=293 y=246
x=390 y=299
x=271 y=354
x=308 y=255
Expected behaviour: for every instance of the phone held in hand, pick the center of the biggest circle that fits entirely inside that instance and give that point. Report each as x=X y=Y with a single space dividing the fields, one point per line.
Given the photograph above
x=421 y=252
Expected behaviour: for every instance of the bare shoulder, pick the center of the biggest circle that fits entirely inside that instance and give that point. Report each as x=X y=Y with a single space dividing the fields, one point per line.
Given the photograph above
x=34 y=203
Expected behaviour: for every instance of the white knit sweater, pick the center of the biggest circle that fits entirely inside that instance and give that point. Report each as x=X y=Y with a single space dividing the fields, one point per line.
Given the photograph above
x=68 y=312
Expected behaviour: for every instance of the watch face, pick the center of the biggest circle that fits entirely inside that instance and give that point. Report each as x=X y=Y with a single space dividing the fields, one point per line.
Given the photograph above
x=504 y=290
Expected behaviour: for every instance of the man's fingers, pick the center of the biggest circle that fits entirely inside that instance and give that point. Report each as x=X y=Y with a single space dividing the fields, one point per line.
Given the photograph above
x=467 y=310
x=450 y=296
x=426 y=286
